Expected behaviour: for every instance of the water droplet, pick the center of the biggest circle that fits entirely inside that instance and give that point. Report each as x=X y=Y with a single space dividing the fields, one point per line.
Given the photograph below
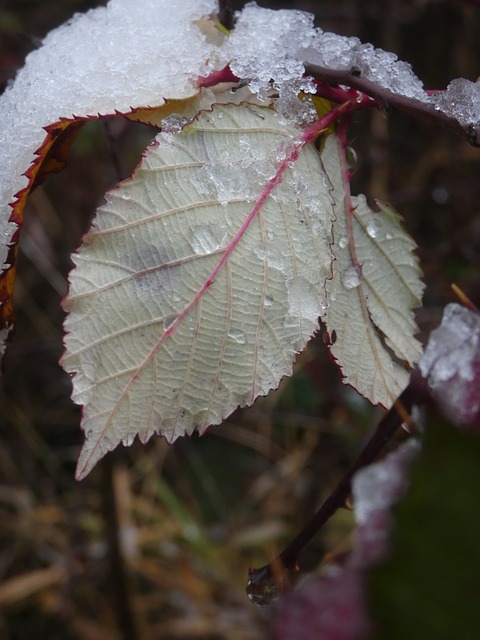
x=342 y=243
x=373 y=227
x=303 y=299
x=351 y=277
x=174 y=123
x=237 y=336
x=263 y=586
x=128 y=440
x=205 y=239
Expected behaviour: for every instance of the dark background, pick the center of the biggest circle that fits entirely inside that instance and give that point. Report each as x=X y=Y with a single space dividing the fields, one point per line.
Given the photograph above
x=170 y=561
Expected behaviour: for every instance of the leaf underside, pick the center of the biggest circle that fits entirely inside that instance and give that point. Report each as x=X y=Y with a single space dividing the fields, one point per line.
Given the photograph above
x=180 y=311
x=371 y=311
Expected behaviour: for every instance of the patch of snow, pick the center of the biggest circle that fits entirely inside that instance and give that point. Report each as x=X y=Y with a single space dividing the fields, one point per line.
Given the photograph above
x=111 y=58
x=461 y=100
x=382 y=67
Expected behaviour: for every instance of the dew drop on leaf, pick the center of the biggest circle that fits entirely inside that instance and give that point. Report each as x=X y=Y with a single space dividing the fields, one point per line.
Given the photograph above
x=351 y=277
x=204 y=240
x=373 y=228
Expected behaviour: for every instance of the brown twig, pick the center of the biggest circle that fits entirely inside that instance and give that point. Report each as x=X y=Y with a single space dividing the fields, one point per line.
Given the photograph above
x=387 y=98
x=267 y=582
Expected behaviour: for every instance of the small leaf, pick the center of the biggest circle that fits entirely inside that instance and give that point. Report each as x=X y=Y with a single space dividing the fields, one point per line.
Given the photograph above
x=371 y=307
x=201 y=279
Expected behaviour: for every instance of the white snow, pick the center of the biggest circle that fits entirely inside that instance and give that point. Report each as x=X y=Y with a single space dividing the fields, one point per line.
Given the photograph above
x=136 y=53
x=127 y=54
x=349 y=54
x=460 y=100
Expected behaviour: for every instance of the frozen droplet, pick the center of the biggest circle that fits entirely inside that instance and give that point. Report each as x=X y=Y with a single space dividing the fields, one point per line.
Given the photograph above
x=204 y=239
x=238 y=336
x=351 y=277
x=268 y=300
x=128 y=440
x=373 y=228
x=342 y=243
x=174 y=123
x=304 y=299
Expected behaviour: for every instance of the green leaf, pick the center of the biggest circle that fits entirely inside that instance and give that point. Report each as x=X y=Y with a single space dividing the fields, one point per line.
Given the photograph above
x=201 y=279
x=370 y=308
x=428 y=589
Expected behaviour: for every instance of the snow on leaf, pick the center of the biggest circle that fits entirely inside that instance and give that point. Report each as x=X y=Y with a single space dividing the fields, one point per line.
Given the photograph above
x=80 y=71
x=371 y=307
x=201 y=279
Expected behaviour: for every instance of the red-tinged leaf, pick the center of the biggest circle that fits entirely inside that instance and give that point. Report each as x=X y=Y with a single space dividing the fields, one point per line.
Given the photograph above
x=375 y=286
x=201 y=279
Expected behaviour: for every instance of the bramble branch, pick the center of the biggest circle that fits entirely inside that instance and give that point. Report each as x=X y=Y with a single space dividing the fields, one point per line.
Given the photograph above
x=386 y=98
x=266 y=583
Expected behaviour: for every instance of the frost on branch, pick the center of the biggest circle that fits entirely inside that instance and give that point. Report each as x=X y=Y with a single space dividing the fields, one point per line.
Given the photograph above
x=451 y=365
x=461 y=100
x=189 y=297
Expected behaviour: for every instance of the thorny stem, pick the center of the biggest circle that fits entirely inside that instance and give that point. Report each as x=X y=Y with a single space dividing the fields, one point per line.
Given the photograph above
x=267 y=582
x=384 y=97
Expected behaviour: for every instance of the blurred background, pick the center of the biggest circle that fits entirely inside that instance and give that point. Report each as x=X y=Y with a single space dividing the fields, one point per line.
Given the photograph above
x=157 y=541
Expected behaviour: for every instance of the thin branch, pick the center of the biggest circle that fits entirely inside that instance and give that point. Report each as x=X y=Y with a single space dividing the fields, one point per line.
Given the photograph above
x=386 y=98
x=225 y=14
x=266 y=583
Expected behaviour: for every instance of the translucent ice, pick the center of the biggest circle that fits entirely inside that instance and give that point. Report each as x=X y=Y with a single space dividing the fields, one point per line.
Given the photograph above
x=349 y=54
x=460 y=100
x=269 y=45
